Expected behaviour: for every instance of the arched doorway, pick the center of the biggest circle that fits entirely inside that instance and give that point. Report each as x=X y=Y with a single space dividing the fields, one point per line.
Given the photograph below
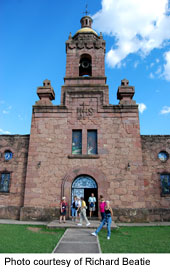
x=83 y=186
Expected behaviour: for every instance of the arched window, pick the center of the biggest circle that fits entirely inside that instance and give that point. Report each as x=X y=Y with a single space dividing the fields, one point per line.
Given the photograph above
x=85 y=65
x=84 y=181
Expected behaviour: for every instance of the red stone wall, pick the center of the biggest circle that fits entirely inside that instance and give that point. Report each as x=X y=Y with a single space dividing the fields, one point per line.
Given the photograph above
x=126 y=175
x=50 y=160
x=11 y=202
x=153 y=167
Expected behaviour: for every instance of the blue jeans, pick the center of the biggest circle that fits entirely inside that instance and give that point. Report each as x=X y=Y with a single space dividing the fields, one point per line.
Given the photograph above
x=107 y=220
x=102 y=215
x=73 y=212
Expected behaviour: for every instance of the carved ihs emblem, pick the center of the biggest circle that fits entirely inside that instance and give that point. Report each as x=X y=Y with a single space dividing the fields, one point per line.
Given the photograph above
x=84 y=111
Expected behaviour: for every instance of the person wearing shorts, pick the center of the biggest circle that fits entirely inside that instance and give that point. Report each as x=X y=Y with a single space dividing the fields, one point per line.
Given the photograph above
x=74 y=208
x=63 y=206
x=92 y=202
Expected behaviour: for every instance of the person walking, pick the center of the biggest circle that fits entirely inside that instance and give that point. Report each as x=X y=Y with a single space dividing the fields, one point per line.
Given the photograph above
x=79 y=207
x=107 y=220
x=102 y=207
x=83 y=213
x=92 y=201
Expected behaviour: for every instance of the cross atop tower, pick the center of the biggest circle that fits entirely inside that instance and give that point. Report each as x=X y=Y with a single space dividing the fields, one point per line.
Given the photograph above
x=86 y=12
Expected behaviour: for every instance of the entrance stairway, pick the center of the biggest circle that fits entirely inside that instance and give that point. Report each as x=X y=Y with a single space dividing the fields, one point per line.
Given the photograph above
x=94 y=223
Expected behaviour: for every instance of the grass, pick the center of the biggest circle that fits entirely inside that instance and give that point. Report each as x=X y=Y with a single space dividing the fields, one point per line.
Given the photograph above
x=39 y=239
x=136 y=240
x=28 y=239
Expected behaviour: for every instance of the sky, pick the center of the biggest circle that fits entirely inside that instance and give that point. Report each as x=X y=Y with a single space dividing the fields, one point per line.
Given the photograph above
x=32 y=48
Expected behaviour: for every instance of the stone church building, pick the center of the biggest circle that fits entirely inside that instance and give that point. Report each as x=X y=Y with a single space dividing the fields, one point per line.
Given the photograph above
x=85 y=145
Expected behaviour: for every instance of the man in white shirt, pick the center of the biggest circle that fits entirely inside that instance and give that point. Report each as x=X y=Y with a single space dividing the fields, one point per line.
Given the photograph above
x=92 y=201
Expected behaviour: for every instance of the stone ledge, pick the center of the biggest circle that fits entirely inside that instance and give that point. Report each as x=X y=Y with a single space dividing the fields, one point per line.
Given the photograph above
x=83 y=156
x=39 y=214
x=131 y=215
x=166 y=196
x=86 y=78
x=10 y=212
x=51 y=108
x=140 y=215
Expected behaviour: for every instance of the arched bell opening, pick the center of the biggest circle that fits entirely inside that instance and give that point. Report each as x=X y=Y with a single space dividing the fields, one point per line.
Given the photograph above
x=85 y=65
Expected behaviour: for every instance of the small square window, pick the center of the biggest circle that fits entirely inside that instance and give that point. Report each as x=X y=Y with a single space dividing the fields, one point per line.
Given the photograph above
x=77 y=142
x=4 y=184
x=92 y=142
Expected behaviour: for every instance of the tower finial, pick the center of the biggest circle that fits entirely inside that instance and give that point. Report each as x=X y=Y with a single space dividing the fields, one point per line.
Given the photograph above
x=86 y=12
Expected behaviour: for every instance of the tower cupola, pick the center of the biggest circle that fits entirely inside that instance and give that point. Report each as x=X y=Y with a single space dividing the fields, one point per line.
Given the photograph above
x=86 y=22
x=86 y=26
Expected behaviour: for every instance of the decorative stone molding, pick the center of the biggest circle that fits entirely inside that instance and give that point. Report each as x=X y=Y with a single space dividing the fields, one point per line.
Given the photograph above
x=45 y=93
x=83 y=156
x=125 y=93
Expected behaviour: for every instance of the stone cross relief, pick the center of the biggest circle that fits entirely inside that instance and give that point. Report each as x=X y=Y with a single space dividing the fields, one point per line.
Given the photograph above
x=84 y=111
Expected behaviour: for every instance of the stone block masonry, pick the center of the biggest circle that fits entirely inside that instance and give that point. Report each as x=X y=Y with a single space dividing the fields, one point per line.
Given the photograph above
x=11 y=202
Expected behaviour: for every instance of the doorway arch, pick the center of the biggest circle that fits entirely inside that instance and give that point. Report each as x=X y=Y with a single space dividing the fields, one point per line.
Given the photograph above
x=96 y=174
x=83 y=186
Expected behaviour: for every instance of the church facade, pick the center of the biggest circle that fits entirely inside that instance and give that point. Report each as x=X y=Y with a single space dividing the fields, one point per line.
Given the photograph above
x=85 y=145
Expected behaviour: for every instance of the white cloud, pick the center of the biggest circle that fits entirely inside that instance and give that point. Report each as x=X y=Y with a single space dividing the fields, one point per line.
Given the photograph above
x=166 y=73
x=136 y=64
x=4 y=132
x=139 y=26
x=142 y=107
x=159 y=70
x=151 y=75
x=5 y=112
x=165 y=110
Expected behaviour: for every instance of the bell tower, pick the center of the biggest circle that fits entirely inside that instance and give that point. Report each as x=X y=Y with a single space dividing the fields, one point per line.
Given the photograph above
x=85 y=62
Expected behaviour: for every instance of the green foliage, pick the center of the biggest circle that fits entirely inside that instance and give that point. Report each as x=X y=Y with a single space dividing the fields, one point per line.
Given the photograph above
x=28 y=239
x=152 y=239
